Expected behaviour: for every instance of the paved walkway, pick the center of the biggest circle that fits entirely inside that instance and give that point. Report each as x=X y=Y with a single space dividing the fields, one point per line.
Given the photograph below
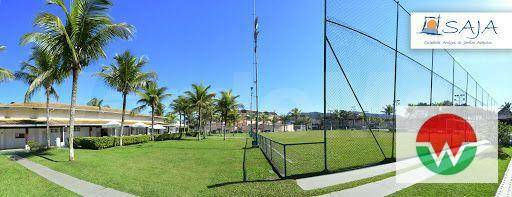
x=73 y=184
x=505 y=188
x=322 y=181
x=390 y=185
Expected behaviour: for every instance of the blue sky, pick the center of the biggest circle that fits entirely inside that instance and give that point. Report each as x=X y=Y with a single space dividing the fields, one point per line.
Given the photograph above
x=210 y=42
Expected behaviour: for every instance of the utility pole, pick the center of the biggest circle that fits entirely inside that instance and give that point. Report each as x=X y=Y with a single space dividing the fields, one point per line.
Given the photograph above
x=256 y=33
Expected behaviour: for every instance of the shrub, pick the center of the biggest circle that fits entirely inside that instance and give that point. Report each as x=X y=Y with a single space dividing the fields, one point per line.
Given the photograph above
x=36 y=146
x=134 y=139
x=168 y=136
x=98 y=143
x=192 y=133
x=504 y=131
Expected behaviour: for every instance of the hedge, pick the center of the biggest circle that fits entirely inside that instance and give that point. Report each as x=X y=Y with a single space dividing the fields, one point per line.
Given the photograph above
x=168 y=136
x=98 y=143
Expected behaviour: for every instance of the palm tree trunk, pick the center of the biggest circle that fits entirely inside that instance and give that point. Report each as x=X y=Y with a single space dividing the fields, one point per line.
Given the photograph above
x=210 y=129
x=152 y=121
x=200 y=126
x=122 y=120
x=72 y=110
x=179 y=128
x=224 y=130
x=48 y=140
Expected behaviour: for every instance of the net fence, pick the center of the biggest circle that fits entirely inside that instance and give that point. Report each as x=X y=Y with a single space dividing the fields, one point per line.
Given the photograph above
x=369 y=71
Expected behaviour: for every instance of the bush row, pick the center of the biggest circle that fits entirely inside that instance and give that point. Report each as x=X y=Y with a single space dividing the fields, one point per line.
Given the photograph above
x=98 y=143
x=168 y=136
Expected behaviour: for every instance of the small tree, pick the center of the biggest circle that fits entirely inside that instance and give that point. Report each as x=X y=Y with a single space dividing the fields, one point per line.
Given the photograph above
x=151 y=96
x=200 y=98
x=43 y=74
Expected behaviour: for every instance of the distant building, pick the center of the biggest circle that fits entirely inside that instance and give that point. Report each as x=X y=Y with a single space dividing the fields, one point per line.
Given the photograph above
x=23 y=122
x=505 y=116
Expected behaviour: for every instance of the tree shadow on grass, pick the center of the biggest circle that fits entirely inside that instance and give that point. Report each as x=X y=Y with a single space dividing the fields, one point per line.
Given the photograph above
x=239 y=182
x=42 y=154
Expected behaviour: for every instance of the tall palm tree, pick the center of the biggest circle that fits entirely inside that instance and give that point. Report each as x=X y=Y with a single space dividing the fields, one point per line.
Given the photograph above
x=78 y=40
x=285 y=118
x=210 y=112
x=180 y=106
x=225 y=104
x=43 y=74
x=200 y=98
x=264 y=118
x=97 y=102
x=274 y=120
x=295 y=113
x=126 y=76
x=151 y=96
x=4 y=73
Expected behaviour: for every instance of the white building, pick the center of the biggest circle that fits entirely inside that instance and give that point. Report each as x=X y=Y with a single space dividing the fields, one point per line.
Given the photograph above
x=23 y=122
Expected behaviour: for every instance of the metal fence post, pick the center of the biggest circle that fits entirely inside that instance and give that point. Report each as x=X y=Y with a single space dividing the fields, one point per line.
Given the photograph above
x=394 y=81
x=325 y=86
x=271 y=150
x=284 y=159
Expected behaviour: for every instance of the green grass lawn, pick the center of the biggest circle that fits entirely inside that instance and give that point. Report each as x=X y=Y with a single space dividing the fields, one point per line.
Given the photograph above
x=211 y=167
x=346 y=149
x=16 y=180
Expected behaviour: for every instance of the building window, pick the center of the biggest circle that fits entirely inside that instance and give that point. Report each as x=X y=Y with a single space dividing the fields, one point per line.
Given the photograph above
x=19 y=135
x=77 y=129
x=55 y=130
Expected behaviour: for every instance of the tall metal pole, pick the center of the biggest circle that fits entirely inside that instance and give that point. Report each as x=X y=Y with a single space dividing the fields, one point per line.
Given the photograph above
x=256 y=66
x=431 y=75
x=394 y=82
x=325 y=86
x=251 y=113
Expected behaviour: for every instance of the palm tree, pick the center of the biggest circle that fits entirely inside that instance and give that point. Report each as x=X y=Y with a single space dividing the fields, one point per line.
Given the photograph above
x=180 y=106
x=77 y=40
x=295 y=113
x=210 y=112
x=97 y=102
x=264 y=118
x=234 y=118
x=200 y=98
x=388 y=110
x=151 y=96
x=43 y=74
x=274 y=120
x=126 y=76
x=4 y=74
x=285 y=118
x=506 y=106
x=225 y=104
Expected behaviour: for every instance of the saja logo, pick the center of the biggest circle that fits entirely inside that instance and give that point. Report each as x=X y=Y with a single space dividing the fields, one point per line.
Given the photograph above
x=459 y=30
x=468 y=28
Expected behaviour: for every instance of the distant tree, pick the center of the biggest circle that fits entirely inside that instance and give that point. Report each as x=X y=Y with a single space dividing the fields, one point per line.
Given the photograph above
x=4 y=73
x=274 y=120
x=506 y=106
x=170 y=118
x=151 y=96
x=200 y=98
x=180 y=105
x=126 y=76
x=295 y=113
x=264 y=119
x=225 y=104
x=285 y=118
x=97 y=102
x=44 y=73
